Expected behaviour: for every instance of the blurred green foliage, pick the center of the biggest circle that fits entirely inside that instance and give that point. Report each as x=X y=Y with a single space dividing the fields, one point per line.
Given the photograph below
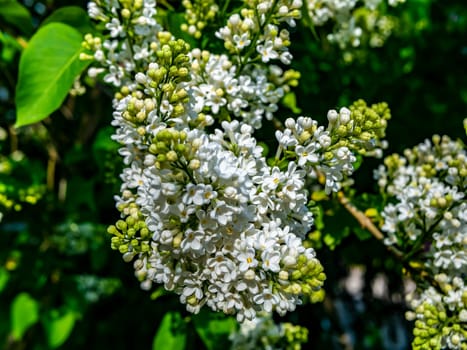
x=60 y=284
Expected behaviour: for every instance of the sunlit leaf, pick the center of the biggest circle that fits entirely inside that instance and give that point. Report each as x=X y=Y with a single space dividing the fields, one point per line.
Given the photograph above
x=24 y=313
x=290 y=101
x=171 y=333
x=58 y=327
x=214 y=329
x=47 y=70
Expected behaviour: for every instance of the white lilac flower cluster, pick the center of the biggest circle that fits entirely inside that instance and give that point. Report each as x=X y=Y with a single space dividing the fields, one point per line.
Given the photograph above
x=254 y=32
x=131 y=28
x=429 y=185
x=264 y=333
x=219 y=90
x=247 y=89
x=202 y=212
x=354 y=21
x=222 y=85
x=428 y=221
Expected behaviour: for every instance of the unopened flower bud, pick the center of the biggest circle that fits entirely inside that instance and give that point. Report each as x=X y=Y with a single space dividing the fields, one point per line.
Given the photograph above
x=171 y=156
x=194 y=164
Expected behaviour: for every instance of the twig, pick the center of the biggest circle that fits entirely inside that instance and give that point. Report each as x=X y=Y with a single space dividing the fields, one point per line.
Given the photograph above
x=13 y=139
x=366 y=223
x=51 y=166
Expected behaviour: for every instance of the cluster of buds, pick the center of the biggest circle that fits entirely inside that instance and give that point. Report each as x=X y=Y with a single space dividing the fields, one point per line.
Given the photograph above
x=361 y=128
x=198 y=13
x=439 y=315
x=329 y=151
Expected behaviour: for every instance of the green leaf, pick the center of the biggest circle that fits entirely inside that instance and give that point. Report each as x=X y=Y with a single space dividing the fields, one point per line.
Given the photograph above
x=10 y=49
x=171 y=333
x=47 y=70
x=214 y=329
x=17 y=15
x=4 y=277
x=361 y=233
x=290 y=101
x=74 y=16
x=358 y=162
x=24 y=313
x=159 y=292
x=58 y=327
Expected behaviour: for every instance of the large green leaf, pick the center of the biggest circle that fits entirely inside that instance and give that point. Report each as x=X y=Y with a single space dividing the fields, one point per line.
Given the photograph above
x=171 y=333
x=58 y=327
x=214 y=329
x=17 y=15
x=74 y=16
x=47 y=70
x=24 y=313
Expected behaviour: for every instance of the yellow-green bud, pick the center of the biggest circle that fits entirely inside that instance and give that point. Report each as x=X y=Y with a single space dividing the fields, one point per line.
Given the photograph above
x=180 y=148
x=177 y=240
x=126 y=13
x=283 y=275
x=178 y=110
x=153 y=149
x=123 y=248
x=296 y=275
x=194 y=164
x=172 y=156
x=121 y=225
x=304 y=136
x=144 y=232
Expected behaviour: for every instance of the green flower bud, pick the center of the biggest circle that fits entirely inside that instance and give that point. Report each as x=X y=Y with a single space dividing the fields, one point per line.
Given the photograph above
x=180 y=148
x=296 y=275
x=130 y=221
x=144 y=232
x=126 y=13
x=121 y=225
x=123 y=248
x=131 y=232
